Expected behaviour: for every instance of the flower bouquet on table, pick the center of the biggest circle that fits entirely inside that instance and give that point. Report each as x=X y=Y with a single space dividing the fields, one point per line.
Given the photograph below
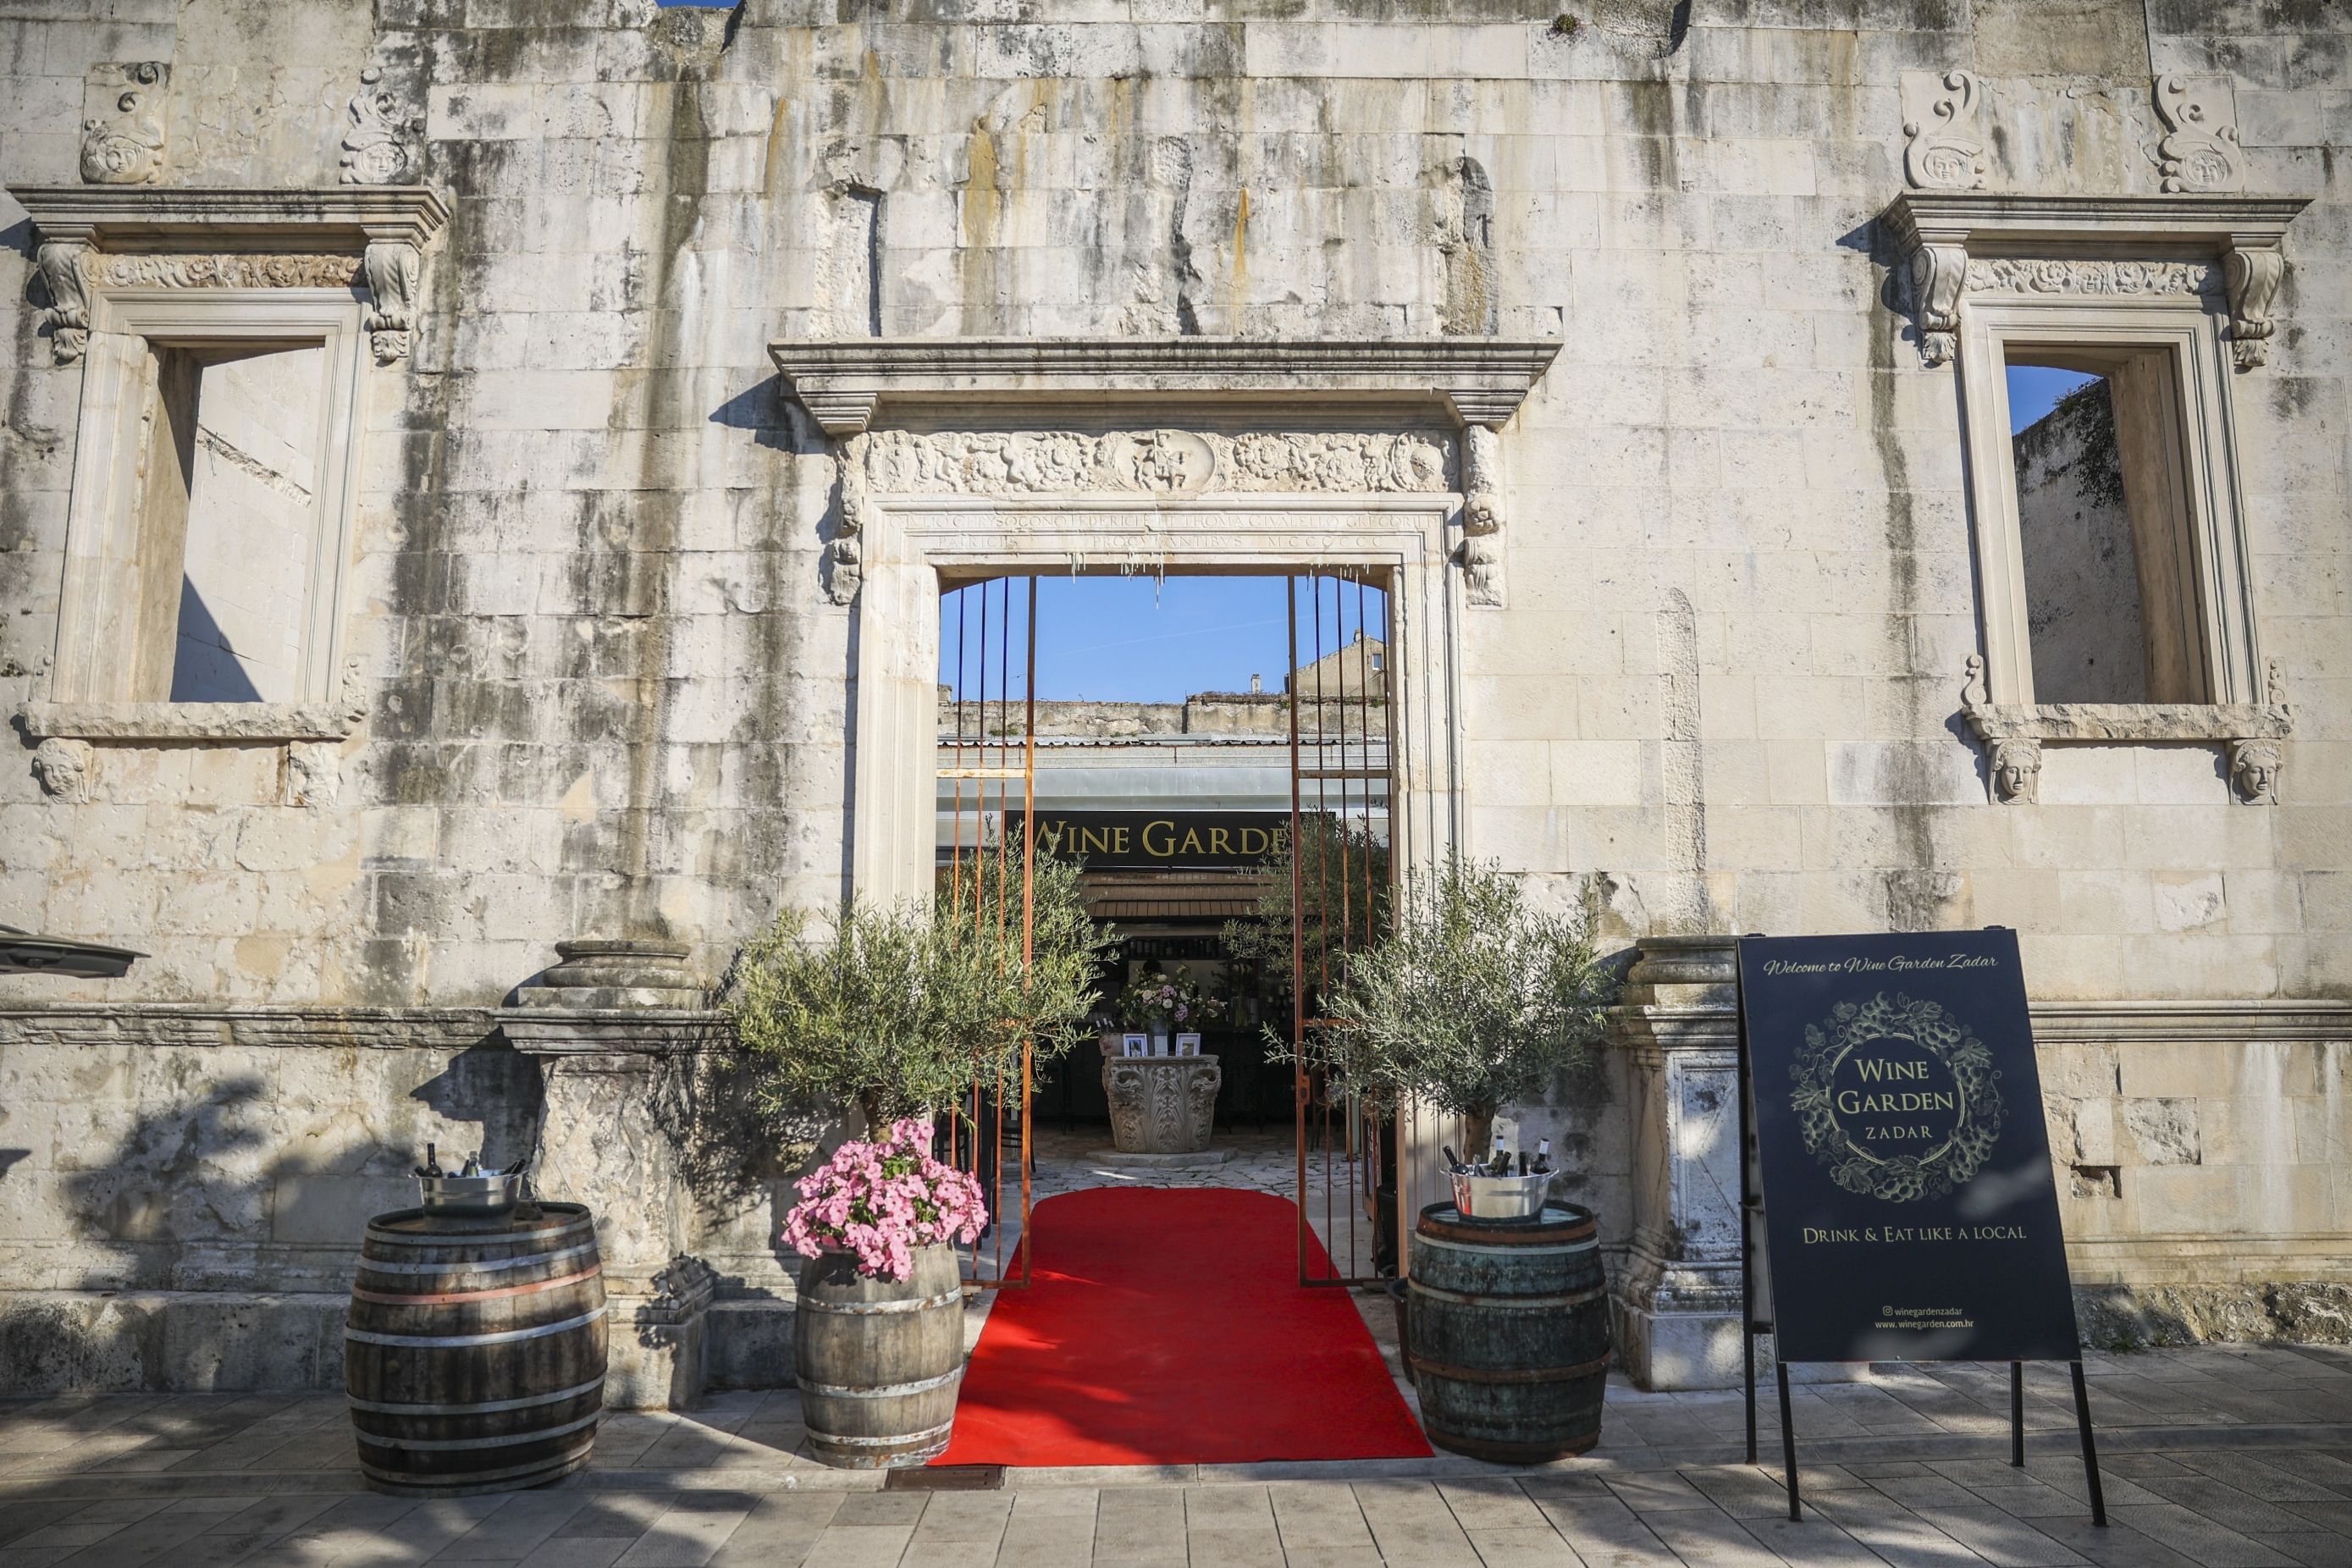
x=1161 y=1004
x=881 y=1199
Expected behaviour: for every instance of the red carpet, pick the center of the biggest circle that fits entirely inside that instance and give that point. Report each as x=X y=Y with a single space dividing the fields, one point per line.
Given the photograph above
x=1169 y=1328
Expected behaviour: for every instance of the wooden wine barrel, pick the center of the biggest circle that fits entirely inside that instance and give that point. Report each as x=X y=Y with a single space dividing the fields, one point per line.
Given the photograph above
x=474 y=1350
x=1509 y=1337
x=880 y=1361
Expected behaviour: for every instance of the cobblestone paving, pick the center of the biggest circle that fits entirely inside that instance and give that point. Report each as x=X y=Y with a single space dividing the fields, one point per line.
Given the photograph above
x=2225 y=1457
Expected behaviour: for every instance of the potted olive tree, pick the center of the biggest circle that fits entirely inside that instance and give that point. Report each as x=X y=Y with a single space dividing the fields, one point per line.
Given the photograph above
x=1477 y=999
x=1474 y=999
x=901 y=1012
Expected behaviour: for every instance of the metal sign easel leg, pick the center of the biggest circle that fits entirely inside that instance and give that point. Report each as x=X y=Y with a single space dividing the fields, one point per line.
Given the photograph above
x=2089 y=1448
x=1788 y=1437
x=2017 y=1414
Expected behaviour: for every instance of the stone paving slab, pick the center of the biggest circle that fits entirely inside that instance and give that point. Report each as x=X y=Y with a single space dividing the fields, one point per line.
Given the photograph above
x=2222 y=1456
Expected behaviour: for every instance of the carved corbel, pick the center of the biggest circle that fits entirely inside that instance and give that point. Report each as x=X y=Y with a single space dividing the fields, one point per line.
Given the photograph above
x=1939 y=274
x=123 y=138
x=68 y=314
x=2199 y=151
x=2014 y=760
x=2251 y=274
x=392 y=268
x=1482 y=514
x=844 y=557
x=2254 y=770
x=1944 y=150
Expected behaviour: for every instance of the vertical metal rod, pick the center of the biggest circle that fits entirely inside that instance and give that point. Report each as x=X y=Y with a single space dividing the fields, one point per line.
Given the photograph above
x=2090 y=1446
x=1346 y=939
x=1028 y=902
x=1788 y=1437
x=1297 y=943
x=1746 y=1254
x=1004 y=756
x=2017 y=1414
x=1322 y=876
x=1389 y=800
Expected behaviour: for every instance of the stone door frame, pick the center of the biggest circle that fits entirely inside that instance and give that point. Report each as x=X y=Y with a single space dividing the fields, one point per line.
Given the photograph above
x=1437 y=551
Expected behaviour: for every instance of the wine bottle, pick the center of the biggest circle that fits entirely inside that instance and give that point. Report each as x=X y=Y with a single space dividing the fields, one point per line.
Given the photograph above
x=1499 y=1162
x=1523 y=1162
x=433 y=1162
x=472 y=1167
x=1454 y=1161
x=1543 y=1157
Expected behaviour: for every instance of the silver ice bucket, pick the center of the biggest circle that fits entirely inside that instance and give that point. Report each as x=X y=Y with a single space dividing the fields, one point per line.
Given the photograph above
x=1500 y=1197
x=480 y=1198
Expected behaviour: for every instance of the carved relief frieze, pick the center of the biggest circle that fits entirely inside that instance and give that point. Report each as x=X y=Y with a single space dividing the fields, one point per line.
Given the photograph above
x=1944 y=150
x=230 y=270
x=2075 y=275
x=377 y=149
x=123 y=136
x=2199 y=151
x=1152 y=462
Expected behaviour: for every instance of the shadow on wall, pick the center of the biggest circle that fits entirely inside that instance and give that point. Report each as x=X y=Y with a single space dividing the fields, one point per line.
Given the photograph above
x=246 y=1193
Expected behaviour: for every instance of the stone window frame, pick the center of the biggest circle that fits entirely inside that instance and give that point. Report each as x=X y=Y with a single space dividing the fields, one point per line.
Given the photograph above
x=2191 y=276
x=130 y=269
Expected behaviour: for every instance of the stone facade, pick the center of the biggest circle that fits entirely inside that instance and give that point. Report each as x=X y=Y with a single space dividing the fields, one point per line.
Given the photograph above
x=1687 y=635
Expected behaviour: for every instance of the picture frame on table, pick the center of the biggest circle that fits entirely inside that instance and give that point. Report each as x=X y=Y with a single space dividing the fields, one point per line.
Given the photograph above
x=1135 y=1045
x=1188 y=1045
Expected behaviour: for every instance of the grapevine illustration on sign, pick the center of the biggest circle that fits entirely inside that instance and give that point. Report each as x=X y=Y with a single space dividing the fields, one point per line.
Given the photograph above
x=1897 y=1097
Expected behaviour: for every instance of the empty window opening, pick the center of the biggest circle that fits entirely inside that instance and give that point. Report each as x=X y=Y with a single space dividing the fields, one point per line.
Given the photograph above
x=229 y=522
x=2104 y=527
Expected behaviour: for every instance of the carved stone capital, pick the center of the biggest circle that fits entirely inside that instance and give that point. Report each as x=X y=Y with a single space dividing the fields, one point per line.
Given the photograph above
x=2252 y=274
x=1944 y=150
x=123 y=137
x=393 y=266
x=67 y=313
x=2199 y=151
x=1162 y=1105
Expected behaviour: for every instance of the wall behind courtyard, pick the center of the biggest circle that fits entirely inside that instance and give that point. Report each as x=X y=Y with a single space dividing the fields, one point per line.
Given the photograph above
x=606 y=693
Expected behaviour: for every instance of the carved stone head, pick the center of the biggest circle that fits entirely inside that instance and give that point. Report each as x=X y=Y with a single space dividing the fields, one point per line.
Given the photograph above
x=2255 y=769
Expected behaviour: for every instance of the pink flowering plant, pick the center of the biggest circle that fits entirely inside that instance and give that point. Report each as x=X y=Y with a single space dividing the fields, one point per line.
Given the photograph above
x=881 y=1198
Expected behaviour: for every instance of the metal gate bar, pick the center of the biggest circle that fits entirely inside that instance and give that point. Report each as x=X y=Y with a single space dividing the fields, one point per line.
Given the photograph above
x=1346 y=881
x=979 y=1152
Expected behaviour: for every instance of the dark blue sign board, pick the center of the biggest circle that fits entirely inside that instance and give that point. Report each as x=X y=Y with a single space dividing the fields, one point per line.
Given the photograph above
x=1908 y=1207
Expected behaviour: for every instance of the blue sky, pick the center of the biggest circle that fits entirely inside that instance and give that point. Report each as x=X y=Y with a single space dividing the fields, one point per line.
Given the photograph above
x=2034 y=389
x=1143 y=639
